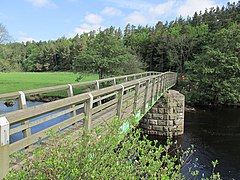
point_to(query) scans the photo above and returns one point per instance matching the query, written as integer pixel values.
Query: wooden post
(88, 112)
(22, 104)
(152, 91)
(70, 94)
(114, 81)
(120, 102)
(4, 147)
(158, 84)
(97, 87)
(164, 83)
(146, 96)
(134, 76)
(136, 94)
(126, 78)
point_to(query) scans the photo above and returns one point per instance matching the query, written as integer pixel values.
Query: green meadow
(18, 81)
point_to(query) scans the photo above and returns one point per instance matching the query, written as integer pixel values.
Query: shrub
(103, 154)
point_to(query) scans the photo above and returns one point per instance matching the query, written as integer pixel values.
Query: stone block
(154, 110)
(169, 123)
(153, 122)
(161, 110)
(159, 105)
(178, 122)
(165, 117)
(180, 127)
(157, 116)
(162, 122)
(165, 129)
(173, 104)
(180, 110)
(171, 128)
(157, 128)
(180, 104)
(167, 110)
(172, 117)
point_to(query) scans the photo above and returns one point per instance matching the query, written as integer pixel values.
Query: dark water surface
(215, 135)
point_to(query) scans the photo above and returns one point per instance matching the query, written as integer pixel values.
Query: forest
(205, 48)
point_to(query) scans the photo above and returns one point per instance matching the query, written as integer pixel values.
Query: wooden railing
(69, 88)
(88, 110)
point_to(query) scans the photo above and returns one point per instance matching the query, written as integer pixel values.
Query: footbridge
(121, 96)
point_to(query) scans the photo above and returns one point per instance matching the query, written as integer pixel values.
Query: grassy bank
(17, 81)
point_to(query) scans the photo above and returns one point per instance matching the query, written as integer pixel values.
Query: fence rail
(90, 109)
(17, 95)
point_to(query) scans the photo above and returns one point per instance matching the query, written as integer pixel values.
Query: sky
(27, 20)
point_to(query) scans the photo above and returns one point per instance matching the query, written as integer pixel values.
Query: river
(215, 134)
(17, 136)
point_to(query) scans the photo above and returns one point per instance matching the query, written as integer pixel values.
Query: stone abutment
(166, 117)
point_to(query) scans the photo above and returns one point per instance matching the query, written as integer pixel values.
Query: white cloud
(85, 28)
(91, 22)
(136, 18)
(93, 19)
(23, 37)
(163, 8)
(43, 3)
(189, 7)
(111, 11)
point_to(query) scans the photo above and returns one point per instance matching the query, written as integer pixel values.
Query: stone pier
(166, 117)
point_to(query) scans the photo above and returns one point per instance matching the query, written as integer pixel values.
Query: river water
(17, 136)
(215, 134)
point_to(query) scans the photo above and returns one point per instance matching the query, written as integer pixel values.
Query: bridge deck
(87, 110)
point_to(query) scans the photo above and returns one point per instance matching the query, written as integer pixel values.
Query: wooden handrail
(142, 92)
(14, 95)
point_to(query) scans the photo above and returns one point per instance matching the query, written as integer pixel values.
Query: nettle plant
(105, 153)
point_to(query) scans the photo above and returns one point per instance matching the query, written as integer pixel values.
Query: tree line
(205, 47)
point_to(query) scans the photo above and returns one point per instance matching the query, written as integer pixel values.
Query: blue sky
(51, 19)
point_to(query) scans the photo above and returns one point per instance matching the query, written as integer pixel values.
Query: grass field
(17, 81)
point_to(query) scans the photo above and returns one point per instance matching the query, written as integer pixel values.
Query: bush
(103, 154)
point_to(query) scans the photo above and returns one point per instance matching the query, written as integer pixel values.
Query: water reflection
(215, 134)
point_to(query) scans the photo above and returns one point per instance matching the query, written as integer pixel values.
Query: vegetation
(205, 48)
(18, 81)
(107, 55)
(101, 155)
(4, 36)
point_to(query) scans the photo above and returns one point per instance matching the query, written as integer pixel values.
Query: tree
(214, 73)
(106, 55)
(4, 36)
